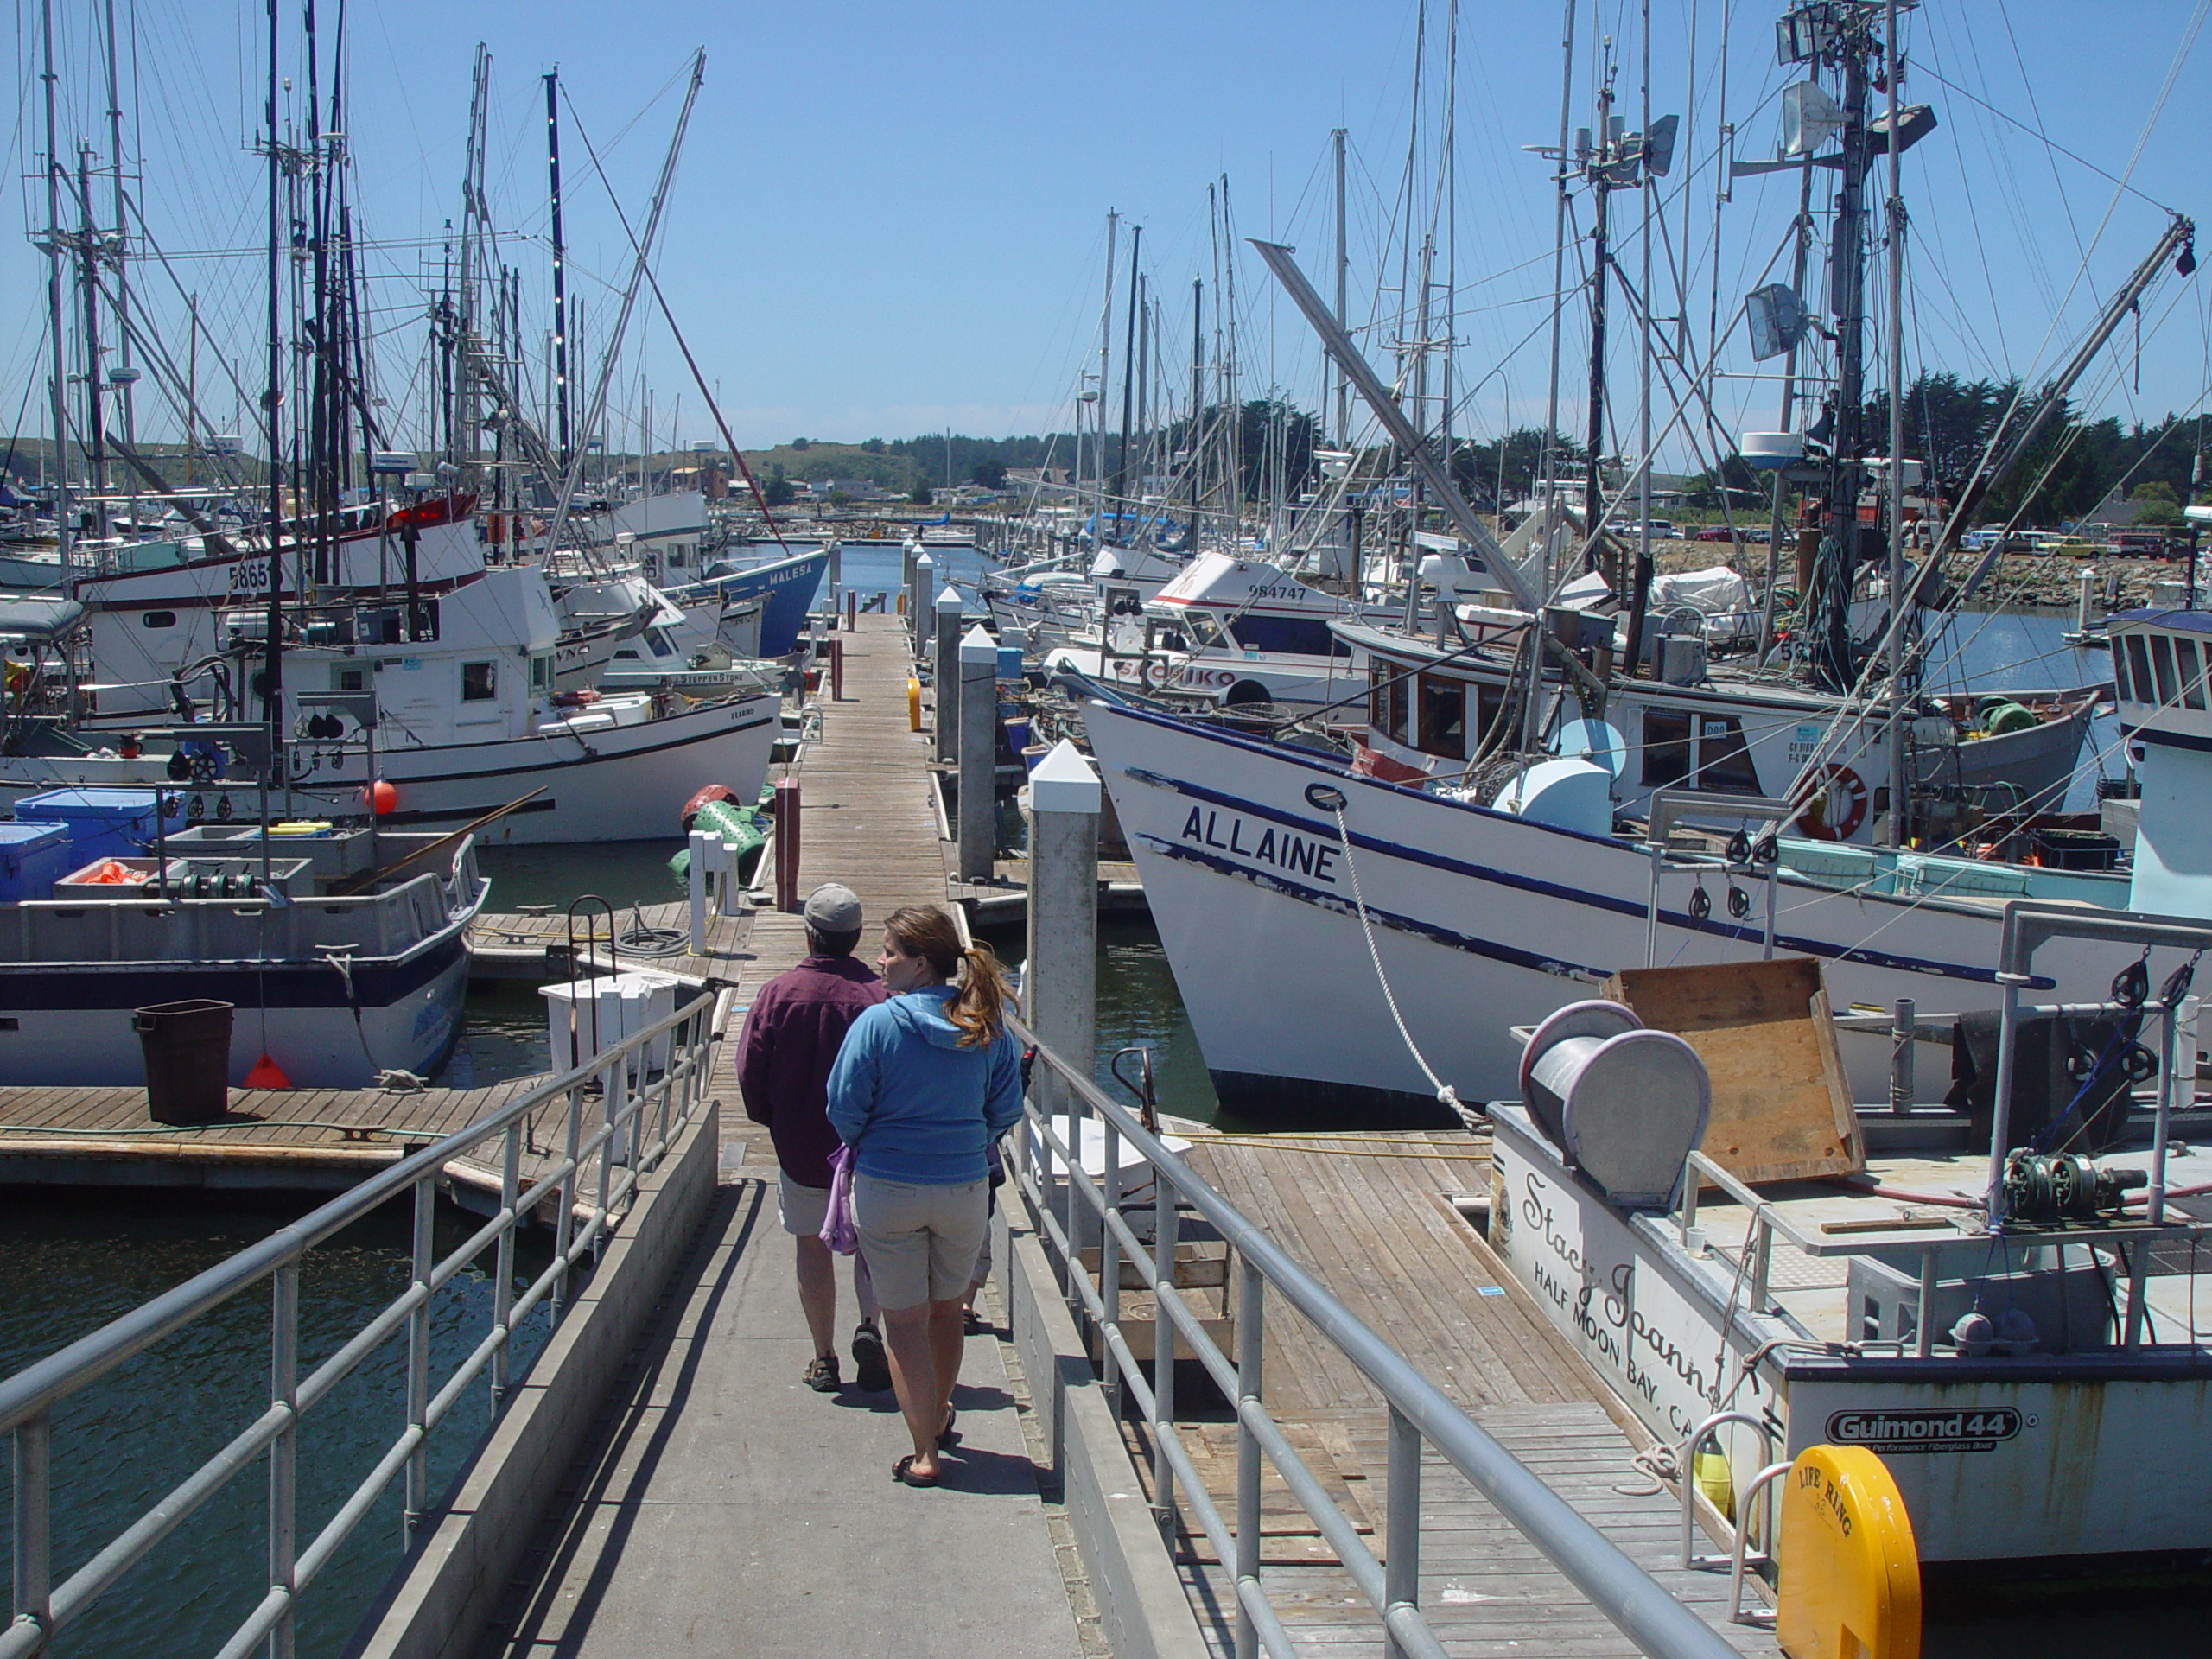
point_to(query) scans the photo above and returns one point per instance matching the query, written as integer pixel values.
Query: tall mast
(1129, 378)
(1899, 799)
(1548, 460)
(561, 398)
(273, 401)
(56, 326)
(1592, 493)
(88, 282)
(1831, 632)
(1197, 441)
(323, 420)
(1229, 366)
(125, 374)
(1105, 350)
(1802, 235)
(1640, 593)
(1344, 268)
(1144, 382)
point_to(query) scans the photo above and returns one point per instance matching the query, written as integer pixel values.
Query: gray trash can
(188, 1049)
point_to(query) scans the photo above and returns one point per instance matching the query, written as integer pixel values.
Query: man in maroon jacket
(792, 1037)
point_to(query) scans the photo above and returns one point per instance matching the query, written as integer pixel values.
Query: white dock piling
(919, 587)
(950, 612)
(1060, 984)
(978, 693)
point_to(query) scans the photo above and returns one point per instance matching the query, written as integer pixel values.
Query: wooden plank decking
(1371, 1215)
(865, 819)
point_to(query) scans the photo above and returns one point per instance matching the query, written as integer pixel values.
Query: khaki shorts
(802, 1209)
(921, 1243)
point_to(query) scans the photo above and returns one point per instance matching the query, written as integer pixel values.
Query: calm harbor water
(68, 1260)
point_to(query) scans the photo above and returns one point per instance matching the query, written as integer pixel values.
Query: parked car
(1713, 533)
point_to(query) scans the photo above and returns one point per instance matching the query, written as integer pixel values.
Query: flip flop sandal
(949, 1435)
(903, 1473)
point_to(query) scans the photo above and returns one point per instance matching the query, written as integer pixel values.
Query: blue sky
(889, 219)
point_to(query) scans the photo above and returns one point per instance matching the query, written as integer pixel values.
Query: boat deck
(1919, 1207)
(1372, 1214)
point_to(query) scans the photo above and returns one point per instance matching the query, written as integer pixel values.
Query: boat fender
(711, 792)
(1835, 806)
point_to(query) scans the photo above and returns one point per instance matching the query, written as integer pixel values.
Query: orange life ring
(1835, 779)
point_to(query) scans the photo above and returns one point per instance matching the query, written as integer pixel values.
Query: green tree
(991, 474)
(802, 443)
(778, 491)
(1475, 467)
(920, 496)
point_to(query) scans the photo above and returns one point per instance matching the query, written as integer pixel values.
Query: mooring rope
(1445, 1092)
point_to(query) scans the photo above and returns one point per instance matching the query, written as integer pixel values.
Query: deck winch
(2064, 1186)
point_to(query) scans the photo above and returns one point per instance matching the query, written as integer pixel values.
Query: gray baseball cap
(833, 908)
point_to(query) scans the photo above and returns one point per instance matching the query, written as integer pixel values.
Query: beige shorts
(921, 1243)
(802, 1209)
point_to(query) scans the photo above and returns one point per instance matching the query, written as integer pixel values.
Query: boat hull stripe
(1681, 919)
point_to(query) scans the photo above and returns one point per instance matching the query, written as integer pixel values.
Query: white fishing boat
(2010, 1302)
(348, 958)
(467, 718)
(1227, 630)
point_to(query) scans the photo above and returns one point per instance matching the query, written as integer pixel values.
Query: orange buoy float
(267, 1074)
(381, 798)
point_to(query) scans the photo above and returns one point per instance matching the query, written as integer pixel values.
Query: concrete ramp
(723, 1508)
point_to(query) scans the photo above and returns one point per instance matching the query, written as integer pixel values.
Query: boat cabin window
(1203, 629)
(1305, 636)
(661, 643)
(1385, 699)
(1665, 748)
(1719, 759)
(1490, 705)
(158, 620)
(1443, 717)
(2137, 669)
(478, 682)
(2162, 665)
(1724, 762)
(349, 679)
(2192, 679)
(541, 673)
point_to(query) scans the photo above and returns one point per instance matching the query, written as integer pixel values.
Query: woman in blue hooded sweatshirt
(924, 1083)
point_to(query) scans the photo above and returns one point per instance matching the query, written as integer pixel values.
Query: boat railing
(618, 1127)
(1756, 859)
(1420, 1413)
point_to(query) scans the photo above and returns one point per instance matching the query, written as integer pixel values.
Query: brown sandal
(903, 1473)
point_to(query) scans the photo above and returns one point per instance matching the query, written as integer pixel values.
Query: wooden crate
(1781, 1109)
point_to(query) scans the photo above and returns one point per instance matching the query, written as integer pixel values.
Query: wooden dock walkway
(534, 944)
(867, 819)
(1371, 1214)
(303, 1139)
